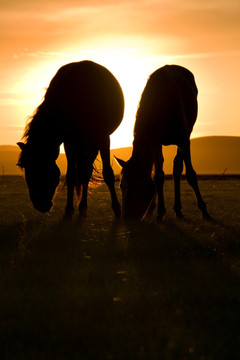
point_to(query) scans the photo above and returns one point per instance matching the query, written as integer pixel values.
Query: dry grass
(106, 290)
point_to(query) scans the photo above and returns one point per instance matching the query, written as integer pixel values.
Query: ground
(102, 289)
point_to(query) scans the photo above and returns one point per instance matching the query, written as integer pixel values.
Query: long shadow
(186, 291)
(125, 292)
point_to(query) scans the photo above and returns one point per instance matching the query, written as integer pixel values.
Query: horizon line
(124, 147)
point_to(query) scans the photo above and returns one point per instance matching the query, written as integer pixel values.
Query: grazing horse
(82, 106)
(166, 114)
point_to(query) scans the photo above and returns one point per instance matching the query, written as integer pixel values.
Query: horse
(166, 115)
(82, 106)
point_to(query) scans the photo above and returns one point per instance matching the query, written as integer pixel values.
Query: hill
(8, 160)
(210, 155)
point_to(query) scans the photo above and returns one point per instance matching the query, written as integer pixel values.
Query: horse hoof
(82, 214)
(117, 211)
(67, 217)
(118, 215)
(160, 218)
(207, 217)
(179, 215)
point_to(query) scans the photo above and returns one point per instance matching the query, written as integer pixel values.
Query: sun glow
(131, 67)
(127, 66)
(37, 39)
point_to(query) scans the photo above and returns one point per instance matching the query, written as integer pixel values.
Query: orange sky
(130, 38)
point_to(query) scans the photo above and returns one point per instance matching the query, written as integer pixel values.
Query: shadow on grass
(131, 291)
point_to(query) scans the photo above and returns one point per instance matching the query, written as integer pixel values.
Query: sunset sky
(132, 38)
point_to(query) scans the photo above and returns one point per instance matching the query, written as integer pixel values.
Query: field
(102, 289)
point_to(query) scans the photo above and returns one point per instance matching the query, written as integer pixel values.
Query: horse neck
(44, 137)
(143, 149)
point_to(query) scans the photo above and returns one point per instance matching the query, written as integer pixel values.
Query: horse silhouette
(166, 114)
(82, 106)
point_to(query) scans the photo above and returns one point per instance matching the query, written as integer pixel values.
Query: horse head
(138, 189)
(41, 174)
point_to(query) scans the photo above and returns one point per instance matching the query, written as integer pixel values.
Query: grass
(102, 289)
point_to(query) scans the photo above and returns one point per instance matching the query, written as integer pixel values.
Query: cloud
(10, 99)
(11, 128)
(55, 5)
(54, 29)
(51, 25)
(219, 54)
(38, 54)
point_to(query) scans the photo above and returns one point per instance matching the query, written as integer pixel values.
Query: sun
(130, 71)
(126, 65)
(132, 75)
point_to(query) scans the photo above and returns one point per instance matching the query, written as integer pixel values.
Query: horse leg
(159, 181)
(177, 172)
(108, 176)
(70, 179)
(192, 179)
(84, 169)
(83, 203)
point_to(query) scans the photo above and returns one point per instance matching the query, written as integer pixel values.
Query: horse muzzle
(43, 208)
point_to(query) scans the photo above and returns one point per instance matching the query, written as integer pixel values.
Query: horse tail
(93, 178)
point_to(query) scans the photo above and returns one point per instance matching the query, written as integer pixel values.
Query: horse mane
(40, 127)
(34, 126)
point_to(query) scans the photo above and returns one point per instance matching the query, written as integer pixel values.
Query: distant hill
(216, 154)
(8, 160)
(210, 155)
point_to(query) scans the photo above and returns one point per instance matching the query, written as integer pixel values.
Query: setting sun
(125, 65)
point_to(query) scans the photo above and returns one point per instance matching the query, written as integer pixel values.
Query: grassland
(102, 289)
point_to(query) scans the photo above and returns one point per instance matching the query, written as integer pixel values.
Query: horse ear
(122, 163)
(21, 145)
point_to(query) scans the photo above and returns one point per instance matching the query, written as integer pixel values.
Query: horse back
(87, 99)
(168, 106)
